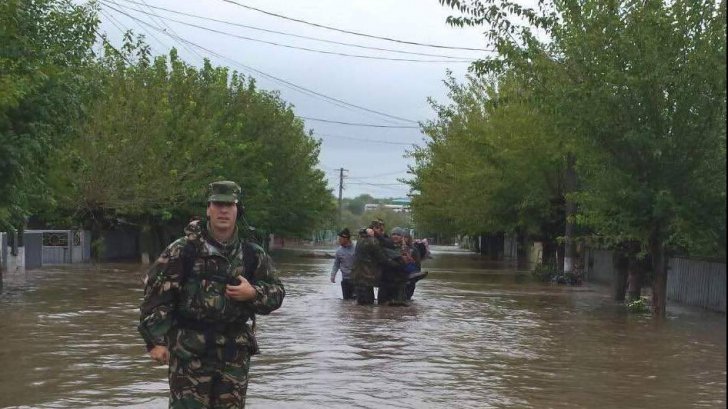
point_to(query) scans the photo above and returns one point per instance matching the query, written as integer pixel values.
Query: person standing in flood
(394, 279)
(200, 301)
(369, 260)
(415, 274)
(344, 260)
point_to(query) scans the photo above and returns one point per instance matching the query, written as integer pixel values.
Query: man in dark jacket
(369, 260)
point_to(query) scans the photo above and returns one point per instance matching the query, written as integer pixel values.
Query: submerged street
(477, 335)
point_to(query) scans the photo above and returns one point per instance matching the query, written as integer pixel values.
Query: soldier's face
(222, 215)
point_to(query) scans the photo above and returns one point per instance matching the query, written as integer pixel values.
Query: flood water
(478, 335)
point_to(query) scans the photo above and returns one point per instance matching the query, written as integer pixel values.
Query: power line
(377, 184)
(116, 23)
(363, 139)
(368, 57)
(288, 84)
(108, 44)
(381, 175)
(357, 123)
(296, 35)
(353, 32)
(168, 27)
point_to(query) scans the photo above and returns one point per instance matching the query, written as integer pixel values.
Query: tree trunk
(570, 214)
(97, 241)
(634, 279)
(659, 286)
(621, 268)
(146, 243)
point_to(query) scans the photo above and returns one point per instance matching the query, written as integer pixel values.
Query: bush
(544, 272)
(639, 306)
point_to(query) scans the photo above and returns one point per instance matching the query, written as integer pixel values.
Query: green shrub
(639, 306)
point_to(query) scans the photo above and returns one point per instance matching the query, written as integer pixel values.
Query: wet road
(478, 335)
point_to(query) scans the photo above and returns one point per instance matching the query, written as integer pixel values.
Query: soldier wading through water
(200, 301)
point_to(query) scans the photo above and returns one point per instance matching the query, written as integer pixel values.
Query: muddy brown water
(478, 335)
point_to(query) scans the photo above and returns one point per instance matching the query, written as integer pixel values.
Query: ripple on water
(475, 337)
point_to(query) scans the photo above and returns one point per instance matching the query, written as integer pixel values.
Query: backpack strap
(250, 262)
(187, 256)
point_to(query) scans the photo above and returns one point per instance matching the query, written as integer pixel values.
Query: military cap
(376, 223)
(345, 233)
(223, 191)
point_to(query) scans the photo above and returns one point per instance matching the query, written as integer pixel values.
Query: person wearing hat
(370, 259)
(343, 260)
(201, 297)
(394, 279)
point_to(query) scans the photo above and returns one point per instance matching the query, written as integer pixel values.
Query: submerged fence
(690, 282)
(698, 283)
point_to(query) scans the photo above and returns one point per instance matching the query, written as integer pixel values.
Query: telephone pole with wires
(341, 190)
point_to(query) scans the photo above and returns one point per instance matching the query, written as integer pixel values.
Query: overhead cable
(296, 35)
(362, 139)
(368, 57)
(357, 123)
(116, 23)
(288, 84)
(353, 32)
(167, 26)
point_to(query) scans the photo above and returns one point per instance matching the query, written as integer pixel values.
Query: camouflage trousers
(208, 382)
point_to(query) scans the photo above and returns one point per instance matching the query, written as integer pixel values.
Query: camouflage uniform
(369, 259)
(394, 278)
(207, 333)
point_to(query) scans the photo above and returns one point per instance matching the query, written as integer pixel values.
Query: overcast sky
(372, 156)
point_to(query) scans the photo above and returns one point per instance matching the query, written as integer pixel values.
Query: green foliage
(493, 163)
(356, 205)
(391, 219)
(636, 90)
(639, 306)
(159, 130)
(45, 47)
(544, 272)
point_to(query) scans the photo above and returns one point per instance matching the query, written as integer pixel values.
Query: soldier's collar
(227, 246)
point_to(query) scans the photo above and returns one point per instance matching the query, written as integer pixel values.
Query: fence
(47, 247)
(4, 251)
(698, 283)
(690, 282)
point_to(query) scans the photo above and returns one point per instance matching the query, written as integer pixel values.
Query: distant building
(397, 208)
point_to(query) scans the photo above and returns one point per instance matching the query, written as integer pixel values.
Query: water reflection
(478, 335)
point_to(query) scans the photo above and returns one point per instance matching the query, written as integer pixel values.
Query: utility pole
(341, 189)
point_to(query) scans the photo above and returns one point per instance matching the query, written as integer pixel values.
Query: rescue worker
(201, 298)
(369, 259)
(394, 279)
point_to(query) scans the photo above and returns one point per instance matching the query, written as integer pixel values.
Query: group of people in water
(390, 262)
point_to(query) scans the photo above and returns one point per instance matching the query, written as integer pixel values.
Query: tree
(641, 84)
(493, 164)
(45, 47)
(160, 130)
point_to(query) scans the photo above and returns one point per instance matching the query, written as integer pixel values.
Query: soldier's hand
(160, 353)
(241, 292)
(333, 279)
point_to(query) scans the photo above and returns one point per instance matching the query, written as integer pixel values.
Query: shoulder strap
(250, 261)
(187, 256)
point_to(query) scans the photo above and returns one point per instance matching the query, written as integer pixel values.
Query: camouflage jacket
(175, 295)
(369, 260)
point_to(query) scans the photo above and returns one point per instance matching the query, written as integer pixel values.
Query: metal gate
(48, 247)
